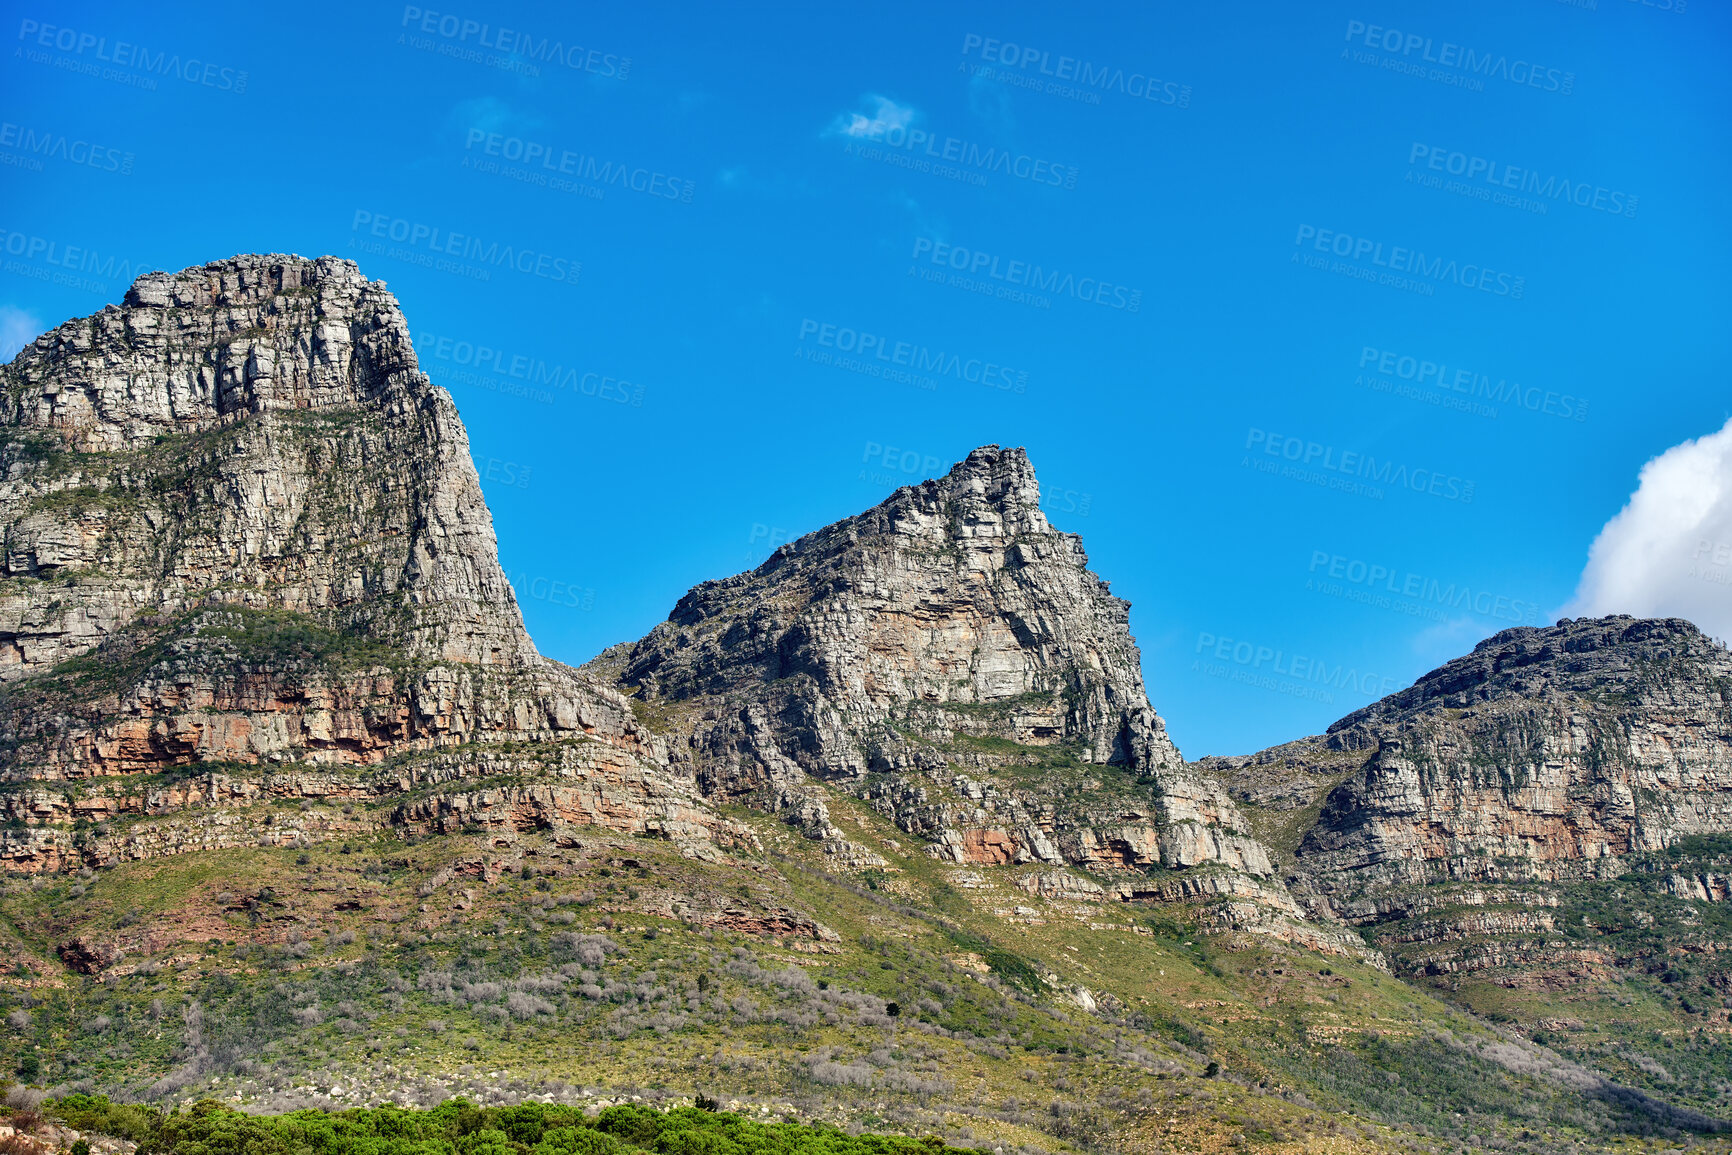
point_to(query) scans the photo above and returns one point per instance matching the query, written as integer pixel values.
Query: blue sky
(1295, 307)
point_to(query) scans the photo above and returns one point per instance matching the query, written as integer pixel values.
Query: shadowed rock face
(244, 542)
(954, 593)
(243, 529)
(1474, 820)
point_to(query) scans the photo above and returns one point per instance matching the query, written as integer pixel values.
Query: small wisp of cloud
(886, 115)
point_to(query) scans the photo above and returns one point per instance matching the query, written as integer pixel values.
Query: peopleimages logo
(564, 162)
(1410, 262)
(1311, 673)
(124, 54)
(1371, 581)
(429, 241)
(485, 362)
(1352, 468)
(73, 266)
(37, 144)
(1025, 274)
(1414, 50)
(1437, 375)
(1507, 180)
(1066, 71)
(955, 150)
(1711, 561)
(905, 361)
(460, 32)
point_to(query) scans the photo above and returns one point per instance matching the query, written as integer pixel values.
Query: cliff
(243, 534)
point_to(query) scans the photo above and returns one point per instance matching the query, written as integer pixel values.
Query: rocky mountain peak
(236, 498)
(259, 426)
(949, 657)
(1552, 754)
(188, 350)
(954, 591)
(1587, 655)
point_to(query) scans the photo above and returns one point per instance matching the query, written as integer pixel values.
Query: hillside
(883, 835)
(1542, 831)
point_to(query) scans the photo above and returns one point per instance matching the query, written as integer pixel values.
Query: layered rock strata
(1546, 754)
(242, 529)
(1454, 818)
(949, 658)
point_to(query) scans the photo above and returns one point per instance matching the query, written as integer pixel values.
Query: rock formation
(949, 657)
(248, 560)
(1462, 808)
(1546, 754)
(242, 529)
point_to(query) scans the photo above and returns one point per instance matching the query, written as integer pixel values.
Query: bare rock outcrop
(949, 658)
(1461, 819)
(1546, 754)
(242, 529)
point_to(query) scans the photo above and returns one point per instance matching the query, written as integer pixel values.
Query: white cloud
(1668, 552)
(886, 115)
(17, 329)
(491, 114)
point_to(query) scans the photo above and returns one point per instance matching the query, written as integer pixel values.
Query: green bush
(96, 1113)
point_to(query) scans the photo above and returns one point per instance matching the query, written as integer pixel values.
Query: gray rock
(242, 527)
(1545, 754)
(948, 657)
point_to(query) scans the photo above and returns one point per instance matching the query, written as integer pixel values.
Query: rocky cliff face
(1545, 754)
(1481, 820)
(949, 657)
(257, 426)
(242, 529)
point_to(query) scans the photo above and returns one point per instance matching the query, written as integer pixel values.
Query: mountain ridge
(890, 815)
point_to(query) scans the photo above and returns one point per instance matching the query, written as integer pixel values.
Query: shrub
(576, 1141)
(96, 1113)
(527, 1006)
(631, 1122)
(833, 1074)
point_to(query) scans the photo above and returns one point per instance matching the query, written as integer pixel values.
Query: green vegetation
(97, 1113)
(411, 972)
(283, 638)
(458, 1127)
(228, 638)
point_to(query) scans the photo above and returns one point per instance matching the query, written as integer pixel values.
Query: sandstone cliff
(1547, 753)
(242, 529)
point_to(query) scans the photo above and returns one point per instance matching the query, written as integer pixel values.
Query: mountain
(949, 658)
(884, 833)
(1542, 828)
(243, 533)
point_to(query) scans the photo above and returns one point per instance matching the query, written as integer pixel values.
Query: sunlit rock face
(243, 530)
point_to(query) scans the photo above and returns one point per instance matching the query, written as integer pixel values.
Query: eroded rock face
(1478, 821)
(949, 657)
(256, 425)
(243, 529)
(1546, 754)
